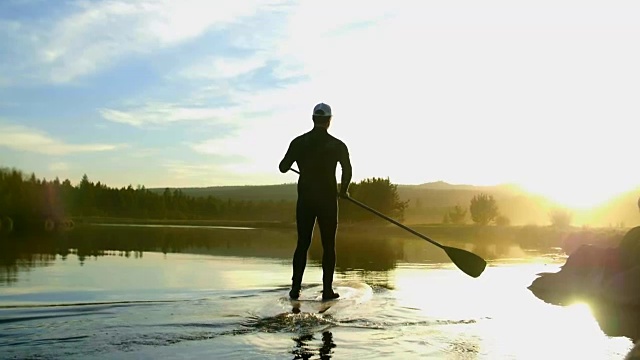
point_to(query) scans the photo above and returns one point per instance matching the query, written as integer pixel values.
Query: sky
(197, 93)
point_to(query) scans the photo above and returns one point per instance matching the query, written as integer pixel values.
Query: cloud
(230, 99)
(217, 67)
(166, 113)
(407, 63)
(21, 138)
(94, 35)
(478, 86)
(236, 95)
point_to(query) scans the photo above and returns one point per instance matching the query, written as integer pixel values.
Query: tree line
(28, 201)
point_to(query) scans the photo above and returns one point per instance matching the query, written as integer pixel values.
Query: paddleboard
(310, 301)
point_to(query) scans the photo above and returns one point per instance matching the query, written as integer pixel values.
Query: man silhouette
(317, 154)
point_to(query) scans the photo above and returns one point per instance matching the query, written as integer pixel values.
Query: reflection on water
(613, 319)
(137, 292)
(304, 351)
(358, 250)
(617, 320)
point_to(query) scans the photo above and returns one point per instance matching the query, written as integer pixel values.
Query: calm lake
(146, 292)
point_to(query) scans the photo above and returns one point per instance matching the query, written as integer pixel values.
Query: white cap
(322, 109)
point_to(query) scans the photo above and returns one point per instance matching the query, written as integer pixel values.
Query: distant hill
(429, 202)
(248, 192)
(442, 185)
(288, 191)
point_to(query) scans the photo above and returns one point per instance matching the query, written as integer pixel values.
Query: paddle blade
(470, 263)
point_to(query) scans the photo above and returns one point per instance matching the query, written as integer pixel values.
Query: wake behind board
(310, 301)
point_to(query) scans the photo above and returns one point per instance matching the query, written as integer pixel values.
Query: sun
(576, 195)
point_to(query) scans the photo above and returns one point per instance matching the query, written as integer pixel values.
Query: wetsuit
(317, 154)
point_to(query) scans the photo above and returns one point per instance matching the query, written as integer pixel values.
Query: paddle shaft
(470, 263)
(388, 218)
(394, 221)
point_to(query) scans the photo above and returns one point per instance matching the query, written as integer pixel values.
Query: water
(154, 292)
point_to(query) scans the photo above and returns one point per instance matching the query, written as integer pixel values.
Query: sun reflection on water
(501, 317)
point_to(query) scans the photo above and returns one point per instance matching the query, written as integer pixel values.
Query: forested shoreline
(28, 202)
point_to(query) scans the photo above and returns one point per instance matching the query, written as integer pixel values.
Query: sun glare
(575, 195)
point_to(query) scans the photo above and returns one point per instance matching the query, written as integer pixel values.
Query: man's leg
(328, 222)
(305, 220)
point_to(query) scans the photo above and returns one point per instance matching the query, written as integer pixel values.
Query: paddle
(470, 263)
